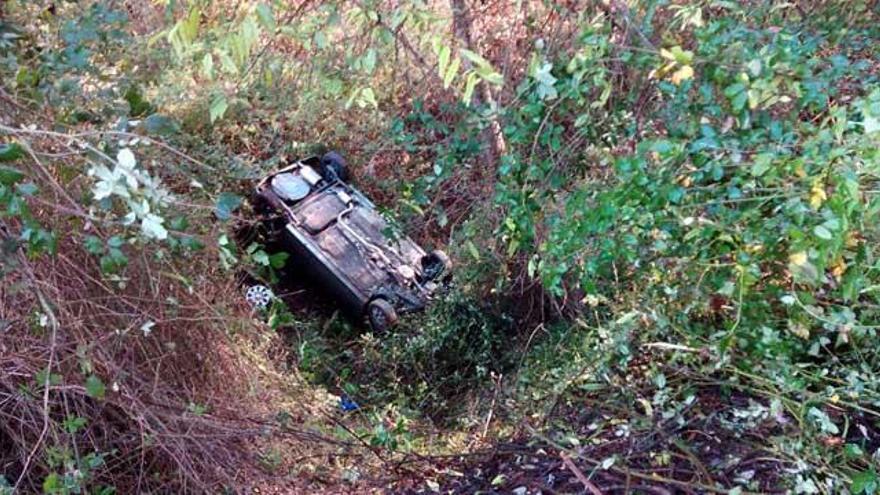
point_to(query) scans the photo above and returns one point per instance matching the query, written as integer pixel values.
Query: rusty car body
(345, 245)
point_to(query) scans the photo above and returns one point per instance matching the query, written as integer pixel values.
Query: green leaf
(853, 451)
(160, 125)
(43, 376)
(9, 175)
(368, 62)
(261, 258)
(443, 60)
(451, 72)
(662, 146)
(26, 189)
(475, 58)
(73, 424)
(608, 462)
(754, 67)
(266, 17)
(472, 250)
(115, 241)
(368, 97)
(762, 164)
(208, 66)
(191, 243)
(734, 89)
(95, 387)
(675, 194)
(865, 482)
(320, 40)
(823, 421)
(546, 82)
(469, 86)
(94, 245)
(739, 101)
(871, 124)
(190, 25)
(822, 233)
(226, 204)
(137, 105)
(682, 57)
(226, 62)
(249, 32)
(152, 227)
(113, 261)
(532, 267)
(493, 78)
(871, 112)
(51, 484)
(278, 260)
(10, 152)
(180, 223)
(218, 108)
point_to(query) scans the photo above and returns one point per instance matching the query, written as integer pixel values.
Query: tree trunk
(493, 139)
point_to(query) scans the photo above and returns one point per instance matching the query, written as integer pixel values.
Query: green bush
(427, 366)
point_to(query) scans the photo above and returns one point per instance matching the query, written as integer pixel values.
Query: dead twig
(579, 475)
(52, 322)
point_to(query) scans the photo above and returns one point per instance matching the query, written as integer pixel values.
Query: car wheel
(381, 314)
(333, 166)
(261, 205)
(435, 264)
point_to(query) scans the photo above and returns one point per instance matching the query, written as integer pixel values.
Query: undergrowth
(663, 217)
(426, 367)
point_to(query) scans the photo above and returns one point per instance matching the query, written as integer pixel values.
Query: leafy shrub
(426, 366)
(689, 178)
(734, 213)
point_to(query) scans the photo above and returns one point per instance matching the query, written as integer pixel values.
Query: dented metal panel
(351, 259)
(318, 214)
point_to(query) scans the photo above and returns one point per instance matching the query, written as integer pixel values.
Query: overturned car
(339, 239)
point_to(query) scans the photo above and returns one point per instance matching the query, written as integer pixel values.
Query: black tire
(333, 167)
(435, 264)
(270, 222)
(261, 205)
(381, 314)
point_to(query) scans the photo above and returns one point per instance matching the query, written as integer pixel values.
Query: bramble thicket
(663, 215)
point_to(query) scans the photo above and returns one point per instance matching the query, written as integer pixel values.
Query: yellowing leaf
(799, 258)
(754, 98)
(799, 329)
(682, 74)
(817, 195)
(662, 71)
(686, 181)
(676, 54)
(852, 239)
(838, 268)
(754, 248)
